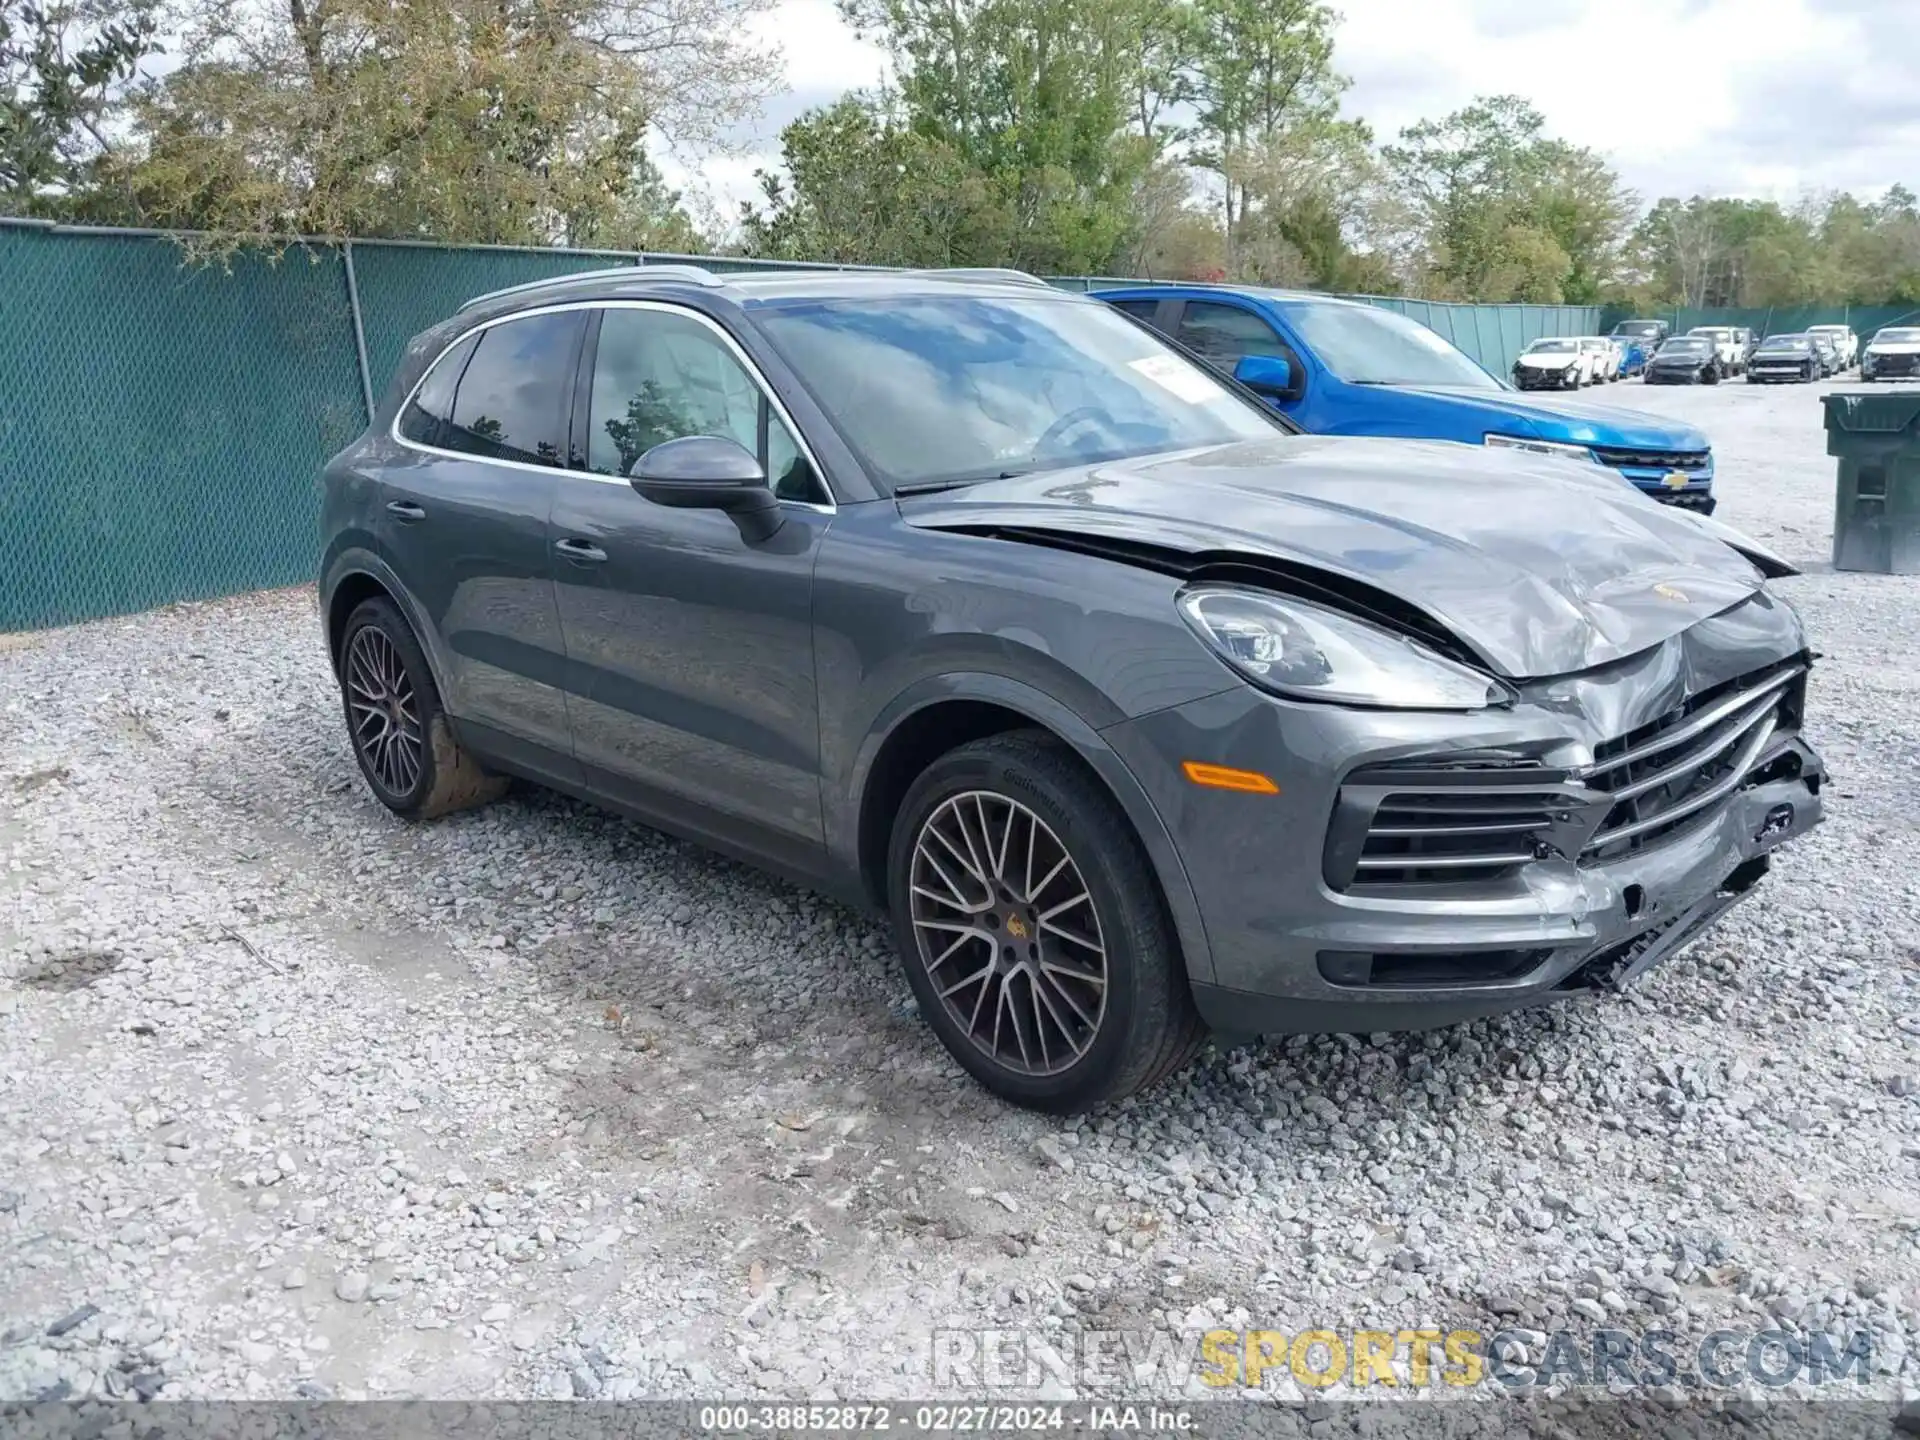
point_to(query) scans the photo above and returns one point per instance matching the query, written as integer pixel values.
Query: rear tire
(1051, 1002)
(401, 736)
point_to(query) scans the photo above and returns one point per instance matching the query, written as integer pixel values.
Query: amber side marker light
(1225, 777)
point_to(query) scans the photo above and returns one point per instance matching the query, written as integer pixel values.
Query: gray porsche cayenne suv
(1140, 714)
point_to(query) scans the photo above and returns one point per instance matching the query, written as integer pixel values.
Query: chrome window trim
(745, 360)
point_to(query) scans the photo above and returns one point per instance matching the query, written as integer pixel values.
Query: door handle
(406, 510)
(580, 551)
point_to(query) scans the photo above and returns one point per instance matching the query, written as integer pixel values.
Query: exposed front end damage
(1406, 867)
(1427, 868)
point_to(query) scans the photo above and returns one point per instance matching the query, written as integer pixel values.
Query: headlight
(1311, 653)
(1539, 447)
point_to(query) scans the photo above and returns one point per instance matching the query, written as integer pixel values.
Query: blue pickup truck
(1340, 367)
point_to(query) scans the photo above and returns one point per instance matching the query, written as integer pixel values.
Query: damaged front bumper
(1421, 869)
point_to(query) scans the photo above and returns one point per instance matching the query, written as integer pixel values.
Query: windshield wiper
(934, 487)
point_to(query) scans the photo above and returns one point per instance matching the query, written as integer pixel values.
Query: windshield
(937, 389)
(1898, 337)
(1368, 346)
(1784, 342)
(1712, 334)
(1685, 345)
(1551, 347)
(1637, 327)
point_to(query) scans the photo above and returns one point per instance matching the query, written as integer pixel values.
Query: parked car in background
(1136, 711)
(1646, 333)
(1726, 344)
(1748, 344)
(1687, 360)
(1604, 359)
(1553, 362)
(1784, 357)
(1829, 352)
(1340, 367)
(1893, 353)
(1846, 344)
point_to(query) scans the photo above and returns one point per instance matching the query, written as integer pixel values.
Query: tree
(1171, 238)
(862, 188)
(1034, 97)
(1261, 71)
(519, 121)
(1506, 212)
(1579, 204)
(1312, 201)
(60, 65)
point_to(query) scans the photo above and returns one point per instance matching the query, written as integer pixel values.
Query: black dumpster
(1876, 513)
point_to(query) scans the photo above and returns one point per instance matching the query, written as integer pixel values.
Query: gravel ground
(298, 1100)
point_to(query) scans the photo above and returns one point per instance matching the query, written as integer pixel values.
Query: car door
(465, 528)
(690, 668)
(1224, 334)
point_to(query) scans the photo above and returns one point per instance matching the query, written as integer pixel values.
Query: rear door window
(1224, 334)
(1139, 309)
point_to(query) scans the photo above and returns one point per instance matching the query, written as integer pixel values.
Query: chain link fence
(164, 423)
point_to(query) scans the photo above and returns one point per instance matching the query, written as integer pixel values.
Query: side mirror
(1267, 374)
(709, 472)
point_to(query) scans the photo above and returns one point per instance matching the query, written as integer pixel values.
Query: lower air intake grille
(1450, 823)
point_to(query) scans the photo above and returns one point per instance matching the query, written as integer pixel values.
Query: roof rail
(693, 274)
(1002, 274)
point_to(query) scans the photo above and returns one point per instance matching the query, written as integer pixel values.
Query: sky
(1770, 98)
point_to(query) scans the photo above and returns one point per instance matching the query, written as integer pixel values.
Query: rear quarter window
(500, 394)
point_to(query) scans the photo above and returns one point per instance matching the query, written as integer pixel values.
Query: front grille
(1653, 459)
(1477, 819)
(1895, 364)
(1672, 772)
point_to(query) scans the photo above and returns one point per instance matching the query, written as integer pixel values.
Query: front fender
(842, 818)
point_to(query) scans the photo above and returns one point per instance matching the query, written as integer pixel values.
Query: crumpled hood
(1571, 421)
(1542, 566)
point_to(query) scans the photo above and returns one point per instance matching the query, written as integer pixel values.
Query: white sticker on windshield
(1174, 374)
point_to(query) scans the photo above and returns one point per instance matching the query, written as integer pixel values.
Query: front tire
(1032, 928)
(401, 736)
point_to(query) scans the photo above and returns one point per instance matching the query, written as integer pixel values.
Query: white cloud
(1759, 97)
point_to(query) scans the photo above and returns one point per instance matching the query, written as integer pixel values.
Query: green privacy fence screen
(162, 425)
(1764, 320)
